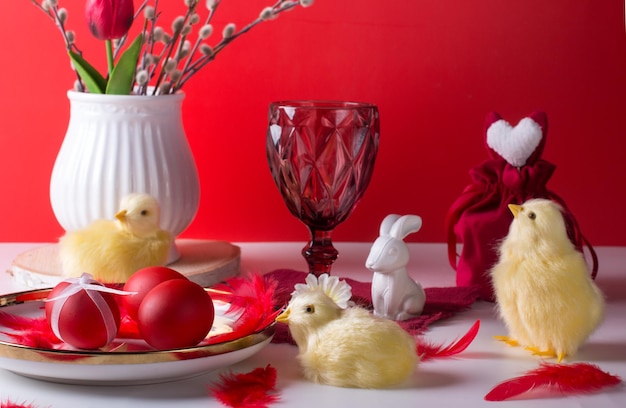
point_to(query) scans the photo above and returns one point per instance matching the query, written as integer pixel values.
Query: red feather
(9, 404)
(31, 332)
(428, 351)
(256, 389)
(249, 291)
(252, 294)
(562, 378)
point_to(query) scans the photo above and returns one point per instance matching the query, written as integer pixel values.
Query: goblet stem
(320, 252)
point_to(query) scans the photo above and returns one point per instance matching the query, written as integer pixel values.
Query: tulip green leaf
(93, 80)
(123, 74)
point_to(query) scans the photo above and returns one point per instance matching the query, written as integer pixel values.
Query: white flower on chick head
(339, 291)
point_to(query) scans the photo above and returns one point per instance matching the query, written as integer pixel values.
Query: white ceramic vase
(120, 144)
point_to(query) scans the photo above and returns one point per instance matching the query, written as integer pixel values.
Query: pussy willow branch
(53, 14)
(170, 47)
(277, 8)
(149, 49)
(197, 43)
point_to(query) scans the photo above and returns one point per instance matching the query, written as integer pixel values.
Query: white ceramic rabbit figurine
(394, 294)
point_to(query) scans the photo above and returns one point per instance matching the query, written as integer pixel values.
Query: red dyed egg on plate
(142, 282)
(175, 314)
(81, 315)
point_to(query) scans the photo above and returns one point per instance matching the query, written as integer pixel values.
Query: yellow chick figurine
(112, 250)
(543, 289)
(346, 346)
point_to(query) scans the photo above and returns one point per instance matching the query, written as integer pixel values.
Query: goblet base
(319, 253)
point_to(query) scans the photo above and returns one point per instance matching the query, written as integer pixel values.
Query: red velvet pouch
(514, 173)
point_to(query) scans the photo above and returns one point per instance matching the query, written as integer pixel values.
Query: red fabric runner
(441, 303)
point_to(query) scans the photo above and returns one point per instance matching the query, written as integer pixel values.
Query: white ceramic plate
(130, 362)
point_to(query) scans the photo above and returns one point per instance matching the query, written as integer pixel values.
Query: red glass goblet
(321, 155)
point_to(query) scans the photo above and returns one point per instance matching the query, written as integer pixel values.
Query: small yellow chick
(112, 250)
(543, 289)
(346, 347)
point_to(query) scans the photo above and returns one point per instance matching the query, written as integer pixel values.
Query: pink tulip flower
(109, 19)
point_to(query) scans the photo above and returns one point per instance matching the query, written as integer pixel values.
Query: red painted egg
(175, 314)
(142, 282)
(82, 317)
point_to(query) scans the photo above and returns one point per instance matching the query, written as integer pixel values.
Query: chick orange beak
(515, 209)
(284, 316)
(121, 216)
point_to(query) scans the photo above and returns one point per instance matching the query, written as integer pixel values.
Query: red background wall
(434, 67)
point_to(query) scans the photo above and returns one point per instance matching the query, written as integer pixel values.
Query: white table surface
(461, 382)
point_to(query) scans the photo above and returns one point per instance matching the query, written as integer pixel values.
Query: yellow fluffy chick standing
(346, 346)
(111, 250)
(545, 295)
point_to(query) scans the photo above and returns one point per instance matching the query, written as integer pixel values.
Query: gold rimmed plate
(127, 361)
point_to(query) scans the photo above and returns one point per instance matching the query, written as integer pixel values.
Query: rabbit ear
(388, 221)
(406, 225)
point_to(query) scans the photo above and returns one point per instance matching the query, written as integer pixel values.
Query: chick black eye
(144, 212)
(532, 215)
(310, 309)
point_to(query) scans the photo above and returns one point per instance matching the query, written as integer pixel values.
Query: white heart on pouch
(514, 144)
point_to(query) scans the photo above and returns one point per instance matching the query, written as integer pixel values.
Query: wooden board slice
(202, 261)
